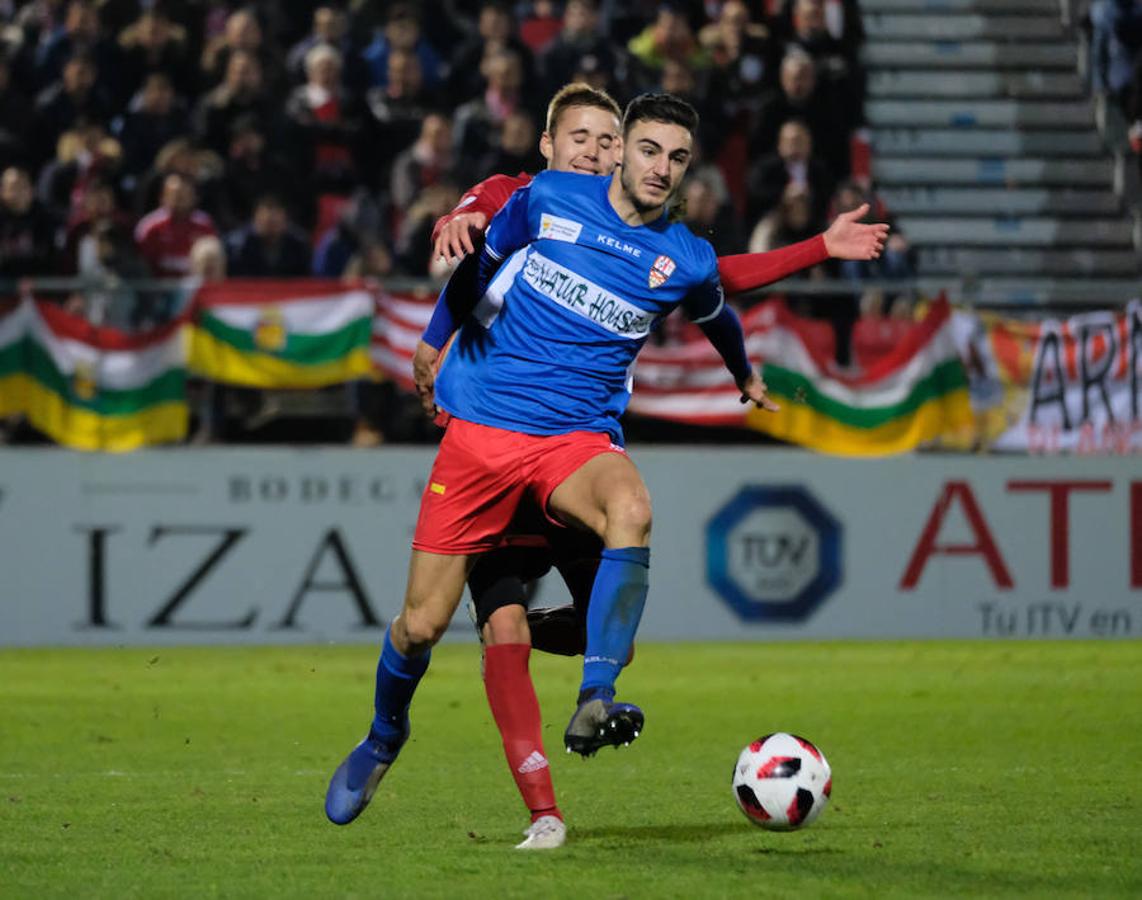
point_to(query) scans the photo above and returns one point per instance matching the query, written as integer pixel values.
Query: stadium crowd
(164, 138)
(326, 138)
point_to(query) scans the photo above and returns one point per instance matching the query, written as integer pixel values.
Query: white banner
(282, 545)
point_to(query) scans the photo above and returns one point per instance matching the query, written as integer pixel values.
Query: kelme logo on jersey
(662, 269)
(556, 228)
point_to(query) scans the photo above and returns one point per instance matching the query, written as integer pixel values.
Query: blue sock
(397, 678)
(616, 606)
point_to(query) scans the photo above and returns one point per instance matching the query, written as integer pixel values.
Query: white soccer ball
(782, 782)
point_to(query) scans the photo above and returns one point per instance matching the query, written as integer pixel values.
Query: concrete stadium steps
(970, 55)
(1032, 172)
(954, 83)
(901, 26)
(1001, 202)
(948, 7)
(963, 262)
(1022, 114)
(1017, 232)
(952, 142)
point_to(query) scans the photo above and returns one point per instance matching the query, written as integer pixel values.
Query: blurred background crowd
(159, 138)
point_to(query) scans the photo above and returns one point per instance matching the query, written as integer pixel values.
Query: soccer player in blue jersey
(575, 272)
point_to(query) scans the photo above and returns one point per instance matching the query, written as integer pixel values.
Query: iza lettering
(174, 613)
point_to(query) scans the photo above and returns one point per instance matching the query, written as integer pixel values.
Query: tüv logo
(773, 554)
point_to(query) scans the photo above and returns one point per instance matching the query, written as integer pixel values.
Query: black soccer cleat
(600, 723)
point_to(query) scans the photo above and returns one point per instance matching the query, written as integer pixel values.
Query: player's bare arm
(425, 364)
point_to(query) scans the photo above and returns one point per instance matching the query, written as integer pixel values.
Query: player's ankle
(596, 692)
(537, 814)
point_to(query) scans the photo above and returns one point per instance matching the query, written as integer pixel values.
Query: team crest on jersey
(662, 269)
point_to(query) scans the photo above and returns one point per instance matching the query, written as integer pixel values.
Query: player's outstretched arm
(846, 238)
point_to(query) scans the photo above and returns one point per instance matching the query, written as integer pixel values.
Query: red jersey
(740, 273)
(165, 242)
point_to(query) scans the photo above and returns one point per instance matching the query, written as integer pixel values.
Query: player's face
(585, 139)
(655, 158)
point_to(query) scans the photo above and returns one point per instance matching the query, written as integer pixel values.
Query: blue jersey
(551, 345)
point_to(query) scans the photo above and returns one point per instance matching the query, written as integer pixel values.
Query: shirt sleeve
(511, 228)
(706, 300)
(748, 271)
(487, 197)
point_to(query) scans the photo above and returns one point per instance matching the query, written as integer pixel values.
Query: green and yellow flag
(281, 334)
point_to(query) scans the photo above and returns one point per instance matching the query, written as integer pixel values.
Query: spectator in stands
(357, 229)
(203, 167)
(397, 112)
(325, 123)
(517, 149)
(708, 214)
(787, 223)
(744, 56)
(331, 29)
(1116, 36)
(429, 161)
(840, 20)
(152, 45)
(164, 237)
(270, 246)
(207, 264)
(479, 120)
(668, 37)
(794, 162)
(242, 36)
(78, 35)
(153, 119)
(838, 73)
(241, 93)
(15, 114)
(74, 96)
(27, 231)
(579, 38)
(84, 155)
(402, 33)
(251, 170)
(540, 25)
(95, 224)
(797, 97)
(495, 34)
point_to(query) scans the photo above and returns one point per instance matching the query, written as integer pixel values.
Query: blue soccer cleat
(355, 781)
(600, 722)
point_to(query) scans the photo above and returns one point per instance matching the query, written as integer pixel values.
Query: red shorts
(482, 475)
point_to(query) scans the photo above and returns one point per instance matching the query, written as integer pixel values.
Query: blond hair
(579, 93)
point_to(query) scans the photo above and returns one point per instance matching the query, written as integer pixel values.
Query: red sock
(515, 708)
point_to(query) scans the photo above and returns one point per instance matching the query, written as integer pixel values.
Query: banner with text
(281, 545)
(1056, 385)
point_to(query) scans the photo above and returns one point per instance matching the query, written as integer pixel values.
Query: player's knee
(423, 627)
(630, 516)
(507, 625)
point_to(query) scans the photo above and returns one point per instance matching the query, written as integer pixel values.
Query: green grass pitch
(984, 769)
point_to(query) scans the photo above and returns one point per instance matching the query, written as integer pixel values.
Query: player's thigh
(605, 493)
(435, 585)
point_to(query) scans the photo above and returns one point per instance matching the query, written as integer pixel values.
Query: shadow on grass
(682, 833)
